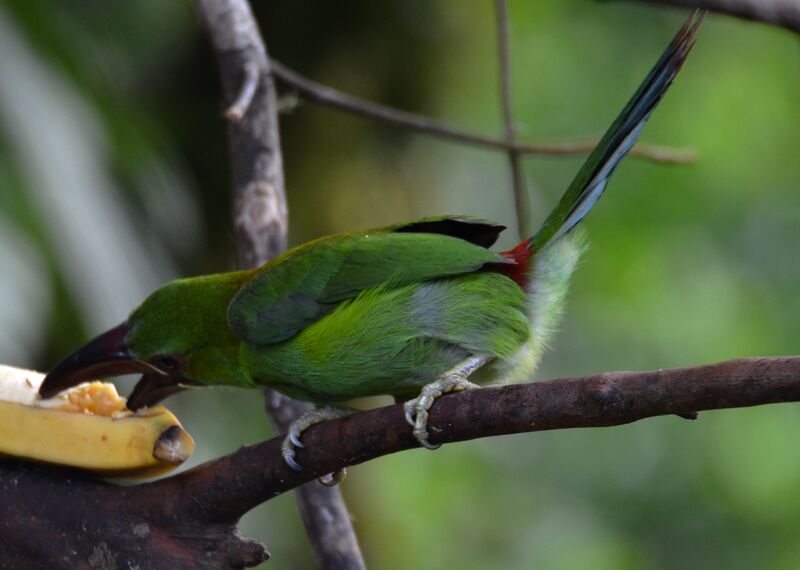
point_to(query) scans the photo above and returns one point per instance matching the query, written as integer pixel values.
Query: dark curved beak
(106, 355)
(153, 388)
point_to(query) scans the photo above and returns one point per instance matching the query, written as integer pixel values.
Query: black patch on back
(479, 232)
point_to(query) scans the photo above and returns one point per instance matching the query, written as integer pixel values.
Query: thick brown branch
(54, 518)
(234, 484)
(188, 521)
(260, 220)
(317, 93)
(781, 13)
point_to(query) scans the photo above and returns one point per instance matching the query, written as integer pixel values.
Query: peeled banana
(87, 427)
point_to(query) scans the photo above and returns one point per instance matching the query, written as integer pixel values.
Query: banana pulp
(87, 427)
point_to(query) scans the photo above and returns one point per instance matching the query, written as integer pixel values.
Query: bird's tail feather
(544, 262)
(591, 180)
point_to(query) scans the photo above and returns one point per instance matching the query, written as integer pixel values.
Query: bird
(414, 310)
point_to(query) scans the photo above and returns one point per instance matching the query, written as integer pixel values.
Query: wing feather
(305, 284)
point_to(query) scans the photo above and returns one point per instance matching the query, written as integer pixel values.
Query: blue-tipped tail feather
(591, 180)
(545, 263)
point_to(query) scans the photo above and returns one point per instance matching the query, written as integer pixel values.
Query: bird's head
(178, 338)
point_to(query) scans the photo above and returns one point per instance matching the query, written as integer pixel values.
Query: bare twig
(260, 220)
(781, 13)
(251, 76)
(515, 164)
(324, 95)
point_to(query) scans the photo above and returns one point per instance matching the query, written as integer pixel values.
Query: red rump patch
(521, 255)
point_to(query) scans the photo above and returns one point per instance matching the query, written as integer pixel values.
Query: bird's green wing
(306, 283)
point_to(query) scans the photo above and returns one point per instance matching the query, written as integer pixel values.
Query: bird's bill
(106, 355)
(153, 388)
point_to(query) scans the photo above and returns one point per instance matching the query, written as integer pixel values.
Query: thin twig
(252, 75)
(782, 13)
(514, 155)
(258, 473)
(317, 93)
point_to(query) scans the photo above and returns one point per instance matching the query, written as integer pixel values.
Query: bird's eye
(168, 364)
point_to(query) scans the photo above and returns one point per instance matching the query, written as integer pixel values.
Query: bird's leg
(301, 424)
(454, 380)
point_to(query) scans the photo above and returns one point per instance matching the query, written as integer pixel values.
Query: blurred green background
(114, 179)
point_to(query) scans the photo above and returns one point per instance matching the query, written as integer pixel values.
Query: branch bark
(258, 473)
(260, 222)
(189, 520)
(56, 518)
(781, 13)
(260, 215)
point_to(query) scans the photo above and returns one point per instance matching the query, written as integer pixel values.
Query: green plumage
(300, 287)
(379, 312)
(394, 340)
(357, 314)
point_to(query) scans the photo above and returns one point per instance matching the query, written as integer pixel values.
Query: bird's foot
(292, 440)
(454, 380)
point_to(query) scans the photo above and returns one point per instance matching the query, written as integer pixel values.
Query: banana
(87, 427)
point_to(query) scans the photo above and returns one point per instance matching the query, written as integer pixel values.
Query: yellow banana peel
(87, 427)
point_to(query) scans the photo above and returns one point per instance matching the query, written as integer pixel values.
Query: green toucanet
(411, 310)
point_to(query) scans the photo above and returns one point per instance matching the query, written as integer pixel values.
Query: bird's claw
(409, 409)
(292, 441)
(331, 480)
(427, 444)
(295, 439)
(416, 412)
(289, 459)
(416, 409)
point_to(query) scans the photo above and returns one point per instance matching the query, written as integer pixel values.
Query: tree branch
(258, 473)
(260, 221)
(781, 13)
(322, 509)
(317, 93)
(55, 517)
(260, 216)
